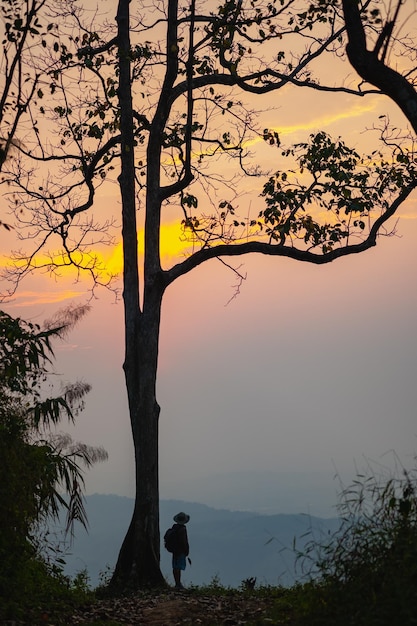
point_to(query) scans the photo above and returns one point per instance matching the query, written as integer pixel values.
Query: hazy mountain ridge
(232, 545)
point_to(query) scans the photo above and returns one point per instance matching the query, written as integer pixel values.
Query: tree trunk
(138, 562)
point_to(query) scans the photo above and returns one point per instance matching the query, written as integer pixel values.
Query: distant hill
(232, 545)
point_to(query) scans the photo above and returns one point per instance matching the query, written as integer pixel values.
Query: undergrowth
(32, 591)
(365, 574)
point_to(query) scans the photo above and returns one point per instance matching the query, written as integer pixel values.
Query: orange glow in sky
(173, 247)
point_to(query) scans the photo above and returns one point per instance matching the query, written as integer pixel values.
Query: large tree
(172, 92)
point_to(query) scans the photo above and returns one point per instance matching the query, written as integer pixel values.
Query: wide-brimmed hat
(181, 518)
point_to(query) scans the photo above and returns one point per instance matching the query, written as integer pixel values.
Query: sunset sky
(308, 372)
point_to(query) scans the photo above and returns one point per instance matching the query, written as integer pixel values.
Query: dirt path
(172, 609)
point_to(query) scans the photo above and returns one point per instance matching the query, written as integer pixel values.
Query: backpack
(170, 539)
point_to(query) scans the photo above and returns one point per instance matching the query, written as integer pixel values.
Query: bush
(38, 468)
(366, 574)
(33, 591)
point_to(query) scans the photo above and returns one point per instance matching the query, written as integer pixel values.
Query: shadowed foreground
(171, 608)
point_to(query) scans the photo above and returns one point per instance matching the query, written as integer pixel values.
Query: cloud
(321, 122)
(108, 259)
(69, 347)
(34, 298)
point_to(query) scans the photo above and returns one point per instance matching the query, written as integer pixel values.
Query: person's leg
(177, 577)
(178, 564)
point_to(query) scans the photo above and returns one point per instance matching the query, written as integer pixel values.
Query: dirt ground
(176, 608)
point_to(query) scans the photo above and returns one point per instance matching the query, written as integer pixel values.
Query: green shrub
(39, 466)
(35, 592)
(366, 574)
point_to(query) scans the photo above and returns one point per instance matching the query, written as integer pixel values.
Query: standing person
(181, 549)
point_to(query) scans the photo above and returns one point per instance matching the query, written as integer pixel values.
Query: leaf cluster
(332, 179)
(38, 466)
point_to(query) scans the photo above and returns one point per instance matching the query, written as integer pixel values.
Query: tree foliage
(191, 118)
(41, 470)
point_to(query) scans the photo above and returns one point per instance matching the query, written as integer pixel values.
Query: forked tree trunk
(138, 562)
